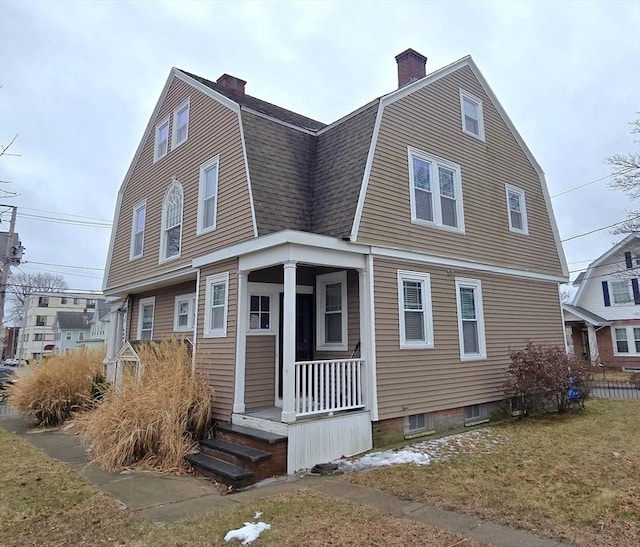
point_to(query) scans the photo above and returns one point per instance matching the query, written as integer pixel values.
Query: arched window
(171, 221)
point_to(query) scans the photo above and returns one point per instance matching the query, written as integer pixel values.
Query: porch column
(241, 343)
(367, 337)
(289, 343)
(593, 344)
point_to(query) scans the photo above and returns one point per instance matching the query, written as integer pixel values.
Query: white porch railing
(323, 387)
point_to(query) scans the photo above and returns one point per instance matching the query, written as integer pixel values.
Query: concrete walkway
(168, 498)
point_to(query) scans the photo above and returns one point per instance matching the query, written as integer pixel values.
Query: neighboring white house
(99, 325)
(38, 326)
(603, 320)
(72, 328)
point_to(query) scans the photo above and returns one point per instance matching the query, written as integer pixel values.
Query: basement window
(416, 424)
(475, 414)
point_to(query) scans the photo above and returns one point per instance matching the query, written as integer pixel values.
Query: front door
(304, 332)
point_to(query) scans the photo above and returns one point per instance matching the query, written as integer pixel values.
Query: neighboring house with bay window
(341, 284)
(603, 320)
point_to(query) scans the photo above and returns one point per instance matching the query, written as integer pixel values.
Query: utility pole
(7, 260)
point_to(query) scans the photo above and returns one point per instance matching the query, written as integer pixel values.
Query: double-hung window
(435, 191)
(137, 231)
(414, 307)
(171, 222)
(208, 196)
(331, 309)
(180, 125)
(146, 308)
(471, 111)
(517, 210)
(470, 319)
(161, 146)
(626, 340)
(621, 292)
(184, 312)
(216, 305)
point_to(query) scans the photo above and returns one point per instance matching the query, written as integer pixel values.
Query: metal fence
(613, 390)
(6, 410)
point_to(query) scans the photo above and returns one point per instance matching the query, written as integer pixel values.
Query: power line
(65, 214)
(622, 172)
(65, 221)
(62, 265)
(599, 229)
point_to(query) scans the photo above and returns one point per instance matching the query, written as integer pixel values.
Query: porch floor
(271, 413)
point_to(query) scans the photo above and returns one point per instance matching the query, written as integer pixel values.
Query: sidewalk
(168, 498)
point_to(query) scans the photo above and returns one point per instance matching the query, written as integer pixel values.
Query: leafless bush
(540, 374)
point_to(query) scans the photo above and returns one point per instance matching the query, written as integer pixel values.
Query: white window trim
(427, 310)
(143, 302)
(191, 300)
(466, 95)
(476, 285)
(435, 190)
(612, 301)
(174, 132)
(203, 168)
(140, 205)
(156, 157)
(631, 342)
(259, 331)
(523, 209)
(163, 233)
(321, 282)
(214, 280)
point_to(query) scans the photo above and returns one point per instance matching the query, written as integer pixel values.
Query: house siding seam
(427, 380)
(213, 130)
(429, 120)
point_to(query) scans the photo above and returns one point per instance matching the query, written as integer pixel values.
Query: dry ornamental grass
(154, 420)
(51, 391)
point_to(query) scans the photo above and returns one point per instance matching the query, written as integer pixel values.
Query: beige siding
(163, 311)
(213, 130)
(415, 381)
(430, 121)
(216, 357)
(260, 371)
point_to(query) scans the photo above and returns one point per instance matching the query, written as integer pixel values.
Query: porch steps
(239, 456)
(225, 472)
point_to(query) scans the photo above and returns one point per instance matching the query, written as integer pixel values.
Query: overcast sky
(80, 81)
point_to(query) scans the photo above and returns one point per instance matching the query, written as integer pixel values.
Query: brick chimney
(231, 83)
(411, 67)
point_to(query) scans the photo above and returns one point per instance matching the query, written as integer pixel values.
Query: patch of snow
(248, 533)
(426, 452)
(257, 515)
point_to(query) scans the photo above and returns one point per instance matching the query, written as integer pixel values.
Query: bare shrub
(52, 391)
(154, 420)
(540, 374)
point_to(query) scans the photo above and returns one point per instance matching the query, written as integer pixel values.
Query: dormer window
(180, 125)
(162, 140)
(471, 110)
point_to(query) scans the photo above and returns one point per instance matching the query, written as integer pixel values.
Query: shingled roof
(73, 320)
(305, 175)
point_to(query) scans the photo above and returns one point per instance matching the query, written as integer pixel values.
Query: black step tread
(219, 467)
(266, 436)
(244, 452)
